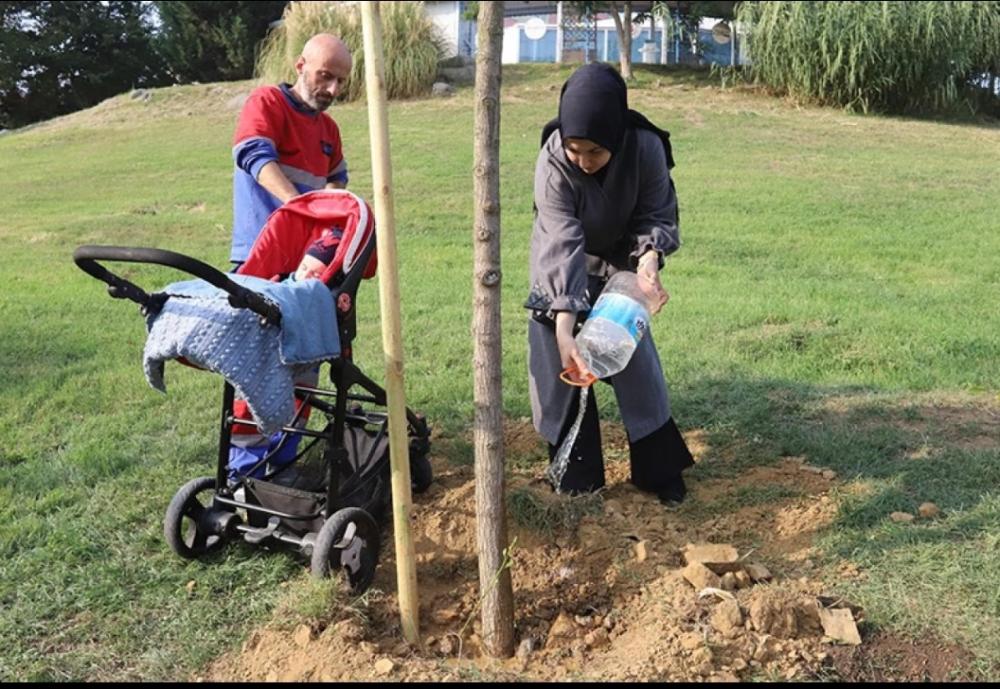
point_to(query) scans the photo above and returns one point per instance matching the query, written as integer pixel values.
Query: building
(550, 32)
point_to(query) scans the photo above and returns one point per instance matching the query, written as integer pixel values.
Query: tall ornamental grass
(878, 56)
(412, 45)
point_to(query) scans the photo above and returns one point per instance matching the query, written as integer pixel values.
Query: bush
(411, 43)
(881, 56)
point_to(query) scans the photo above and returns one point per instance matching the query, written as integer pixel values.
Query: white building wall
(445, 16)
(511, 45)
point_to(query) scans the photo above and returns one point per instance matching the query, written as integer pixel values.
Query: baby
(318, 255)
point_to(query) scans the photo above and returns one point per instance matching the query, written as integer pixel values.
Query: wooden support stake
(392, 342)
(491, 516)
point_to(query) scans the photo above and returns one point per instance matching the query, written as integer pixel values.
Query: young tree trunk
(495, 586)
(624, 30)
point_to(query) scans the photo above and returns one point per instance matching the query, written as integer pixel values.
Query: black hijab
(594, 105)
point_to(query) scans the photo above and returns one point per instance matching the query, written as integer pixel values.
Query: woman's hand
(569, 354)
(649, 281)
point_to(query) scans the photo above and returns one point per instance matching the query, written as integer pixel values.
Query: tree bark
(624, 30)
(496, 591)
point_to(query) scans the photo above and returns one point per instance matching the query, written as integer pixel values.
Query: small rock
(384, 666)
(597, 638)
(739, 664)
(443, 90)
(701, 661)
(727, 618)
(191, 587)
(525, 648)
(838, 624)
(928, 510)
(564, 628)
(758, 573)
(303, 635)
(743, 580)
(700, 576)
(728, 582)
(829, 474)
(691, 641)
(641, 551)
(350, 630)
(710, 554)
(901, 517)
(773, 616)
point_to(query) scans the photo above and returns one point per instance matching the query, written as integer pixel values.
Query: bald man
(285, 144)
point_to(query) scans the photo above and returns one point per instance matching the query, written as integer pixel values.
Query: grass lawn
(835, 297)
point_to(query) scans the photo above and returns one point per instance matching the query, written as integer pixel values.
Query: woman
(604, 202)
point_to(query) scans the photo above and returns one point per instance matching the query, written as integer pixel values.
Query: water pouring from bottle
(613, 330)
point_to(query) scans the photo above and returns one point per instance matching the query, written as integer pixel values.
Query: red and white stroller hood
(290, 230)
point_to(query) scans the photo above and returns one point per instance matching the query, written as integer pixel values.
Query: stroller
(327, 498)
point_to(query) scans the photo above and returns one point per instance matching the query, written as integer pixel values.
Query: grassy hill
(835, 297)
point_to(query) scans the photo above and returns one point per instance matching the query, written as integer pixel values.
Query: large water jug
(607, 340)
(615, 326)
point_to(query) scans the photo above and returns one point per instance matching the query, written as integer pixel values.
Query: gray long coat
(586, 230)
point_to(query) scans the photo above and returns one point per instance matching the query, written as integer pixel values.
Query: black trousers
(656, 460)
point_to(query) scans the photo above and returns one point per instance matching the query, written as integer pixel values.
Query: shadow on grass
(901, 450)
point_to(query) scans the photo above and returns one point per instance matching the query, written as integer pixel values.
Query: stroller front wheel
(191, 526)
(348, 542)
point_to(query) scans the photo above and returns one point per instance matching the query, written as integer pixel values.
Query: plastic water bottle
(615, 326)
(607, 340)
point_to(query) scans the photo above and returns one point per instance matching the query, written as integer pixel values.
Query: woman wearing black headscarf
(604, 203)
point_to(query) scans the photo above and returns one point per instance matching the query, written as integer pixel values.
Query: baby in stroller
(330, 509)
(248, 446)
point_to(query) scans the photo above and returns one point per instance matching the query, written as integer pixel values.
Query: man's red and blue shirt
(274, 126)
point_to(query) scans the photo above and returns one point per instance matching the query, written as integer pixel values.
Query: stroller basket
(330, 498)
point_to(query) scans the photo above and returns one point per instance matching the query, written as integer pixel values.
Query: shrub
(411, 43)
(884, 56)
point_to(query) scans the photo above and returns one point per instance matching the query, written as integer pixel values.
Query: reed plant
(412, 45)
(884, 56)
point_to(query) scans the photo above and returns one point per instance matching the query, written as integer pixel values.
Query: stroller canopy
(290, 230)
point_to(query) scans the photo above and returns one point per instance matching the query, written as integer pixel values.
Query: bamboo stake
(392, 344)
(495, 587)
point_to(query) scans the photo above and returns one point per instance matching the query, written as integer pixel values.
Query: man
(285, 144)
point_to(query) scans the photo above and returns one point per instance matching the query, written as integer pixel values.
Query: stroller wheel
(191, 526)
(348, 542)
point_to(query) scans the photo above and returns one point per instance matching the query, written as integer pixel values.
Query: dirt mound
(601, 585)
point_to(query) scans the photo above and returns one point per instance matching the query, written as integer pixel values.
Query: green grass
(835, 296)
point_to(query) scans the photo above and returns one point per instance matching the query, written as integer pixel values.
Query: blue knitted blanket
(261, 362)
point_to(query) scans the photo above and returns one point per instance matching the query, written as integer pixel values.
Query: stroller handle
(87, 257)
